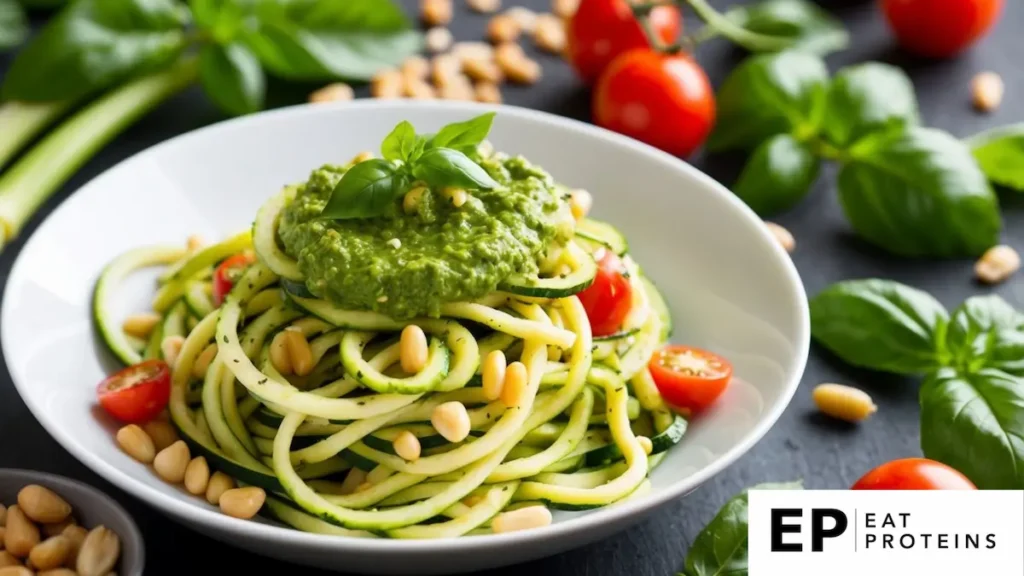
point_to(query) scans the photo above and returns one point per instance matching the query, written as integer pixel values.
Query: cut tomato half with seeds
(137, 393)
(689, 378)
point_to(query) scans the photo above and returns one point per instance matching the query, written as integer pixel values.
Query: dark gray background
(802, 444)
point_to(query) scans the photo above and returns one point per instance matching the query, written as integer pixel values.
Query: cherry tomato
(137, 393)
(664, 100)
(602, 29)
(229, 271)
(913, 474)
(688, 377)
(609, 298)
(940, 28)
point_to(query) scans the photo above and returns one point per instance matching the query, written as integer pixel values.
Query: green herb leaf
(365, 191)
(881, 325)
(1006, 352)
(94, 44)
(232, 77)
(919, 192)
(721, 548)
(464, 136)
(1000, 153)
(811, 28)
(770, 94)
(778, 175)
(975, 423)
(440, 167)
(13, 25)
(400, 143)
(318, 40)
(973, 328)
(222, 19)
(867, 98)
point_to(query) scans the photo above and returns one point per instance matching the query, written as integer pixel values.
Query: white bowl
(730, 287)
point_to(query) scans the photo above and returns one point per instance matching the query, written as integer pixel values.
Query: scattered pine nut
(219, 484)
(140, 325)
(20, 534)
(460, 88)
(457, 196)
(436, 12)
(242, 503)
(413, 349)
(782, 236)
(386, 84)
(418, 89)
(194, 242)
(484, 6)
(444, 69)
(43, 505)
(336, 92)
(55, 528)
(438, 39)
(202, 363)
(170, 463)
(171, 347)
(279, 356)
(410, 202)
(526, 18)
(463, 51)
(516, 65)
(482, 70)
(997, 264)
(565, 8)
(415, 67)
(76, 534)
(503, 28)
(8, 559)
(99, 552)
(987, 91)
(580, 202)
(646, 444)
(407, 446)
(136, 443)
(522, 519)
(488, 93)
(50, 553)
(197, 476)
(395, 243)
(161, 433)
(550, 34)
(513, 389)
(300, 355)
(451, 421)
(843, 402)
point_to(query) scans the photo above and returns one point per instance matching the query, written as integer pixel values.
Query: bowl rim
(213, 520)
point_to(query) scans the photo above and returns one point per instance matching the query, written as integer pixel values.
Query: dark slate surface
(801, 445)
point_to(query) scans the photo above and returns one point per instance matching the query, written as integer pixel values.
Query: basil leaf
(778, 175)
(867, 98)
(721, 548)
(94, 44)
(464, 136)
(881, 325)
(809, 27)
(13, 25)
(769, 94)
(318, 40)
(366, 190)
(440, 167)
(222, 19)
(1006, 352)
(232, 77)
(975, 423)
(400, 143)
(918, 192)
(1000, 153)
(973, 326)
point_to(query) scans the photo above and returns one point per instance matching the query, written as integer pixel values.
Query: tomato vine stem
(716, 24)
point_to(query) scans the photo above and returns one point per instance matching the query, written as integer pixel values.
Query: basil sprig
(367, 189)
(1000, 153)
(910, 190)
(972, 399)
(807, 26)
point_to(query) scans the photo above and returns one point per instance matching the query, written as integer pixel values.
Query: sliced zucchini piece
(599, 232)
(197, 298)
(660, 307)
(264, 236)
(668, 438)
(573, 283)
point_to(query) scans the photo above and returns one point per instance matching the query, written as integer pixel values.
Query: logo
(840, 533)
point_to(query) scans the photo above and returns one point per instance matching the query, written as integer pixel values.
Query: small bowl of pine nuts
(55, 526)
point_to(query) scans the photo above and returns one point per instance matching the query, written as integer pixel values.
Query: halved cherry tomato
(688, 377)
(914, 474)
(137, 393)
(608, 300)
(664, 100)
(600, 30)
(229, 271)
(940, 28)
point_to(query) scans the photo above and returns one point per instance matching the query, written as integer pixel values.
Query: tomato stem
(642, 13)
(723, 25)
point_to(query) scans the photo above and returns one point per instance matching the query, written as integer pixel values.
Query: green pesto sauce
(447, 254)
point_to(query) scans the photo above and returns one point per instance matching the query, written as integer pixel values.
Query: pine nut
(484, 6)
(136, 443)
(514, 388)
(987, 91)
(20, 534)
(170, 463)
(362, 157)
(508, 51)
(99, 552)
(57, 528)
(782, 236)
(353, 480)
(8, 559)
(219, 484)
(58, 572)
(438, 39)
(458, 88)
(300, 355)
(413, 349)
(526, 18)
(436, 12)
(522, 519)
(197, 476)
(335, 92)
(3, 515)
(843, 402)
(482, 70)
(415, 66)
(279, 356)
(457, 196)
(411, 200)
(75, 534)
(194, 242)
(202, 363)
(3, 530)
(140, 325)
(565, 8)
(50, 553)
(161, 433)
(451, 421)
(387, 84)
(549, 34)
(503, 28)
(580, 202)
(493, 374)
(516, 66)
(242, 503)
(444, 69)
(171, 347)
(646, 444)
(15, 571)
(43, 505)
(407, 446)
(395, 243)
(997, 264)
(418, 89)
(463, 51)
(488, 93)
